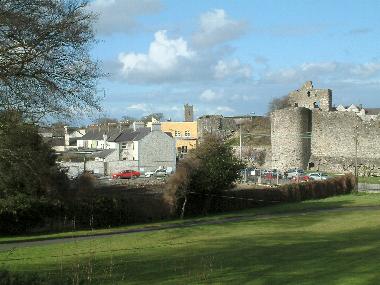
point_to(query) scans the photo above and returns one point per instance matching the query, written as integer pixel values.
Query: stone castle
(312, 134)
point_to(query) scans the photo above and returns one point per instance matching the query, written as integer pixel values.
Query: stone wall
(290, 139)
(117, 166)
(216, 124)
(76, 168)
(311, 98)
(155, 150)
(334, 138)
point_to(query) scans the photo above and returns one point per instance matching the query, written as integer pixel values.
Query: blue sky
(233, 57)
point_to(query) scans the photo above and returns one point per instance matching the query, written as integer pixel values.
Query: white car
(157, 173)
(294, 173)
(318, 176)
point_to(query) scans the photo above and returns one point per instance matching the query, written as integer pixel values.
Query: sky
(233, 57)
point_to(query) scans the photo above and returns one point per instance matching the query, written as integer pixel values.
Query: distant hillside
(256, 132)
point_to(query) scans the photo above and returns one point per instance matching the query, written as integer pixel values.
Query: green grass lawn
(340, 247)
(332, 202)
(370, 180)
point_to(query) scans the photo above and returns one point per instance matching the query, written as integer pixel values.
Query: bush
(207, 170)
(21, 213)
(242, 199)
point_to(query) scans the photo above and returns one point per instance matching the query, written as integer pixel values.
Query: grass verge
(314, 248)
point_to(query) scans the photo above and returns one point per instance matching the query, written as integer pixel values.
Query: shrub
(21, 213)
(295, 192)
(207, 170)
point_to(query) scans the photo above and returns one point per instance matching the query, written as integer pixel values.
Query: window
(177, 133)
(124, 145)
(187, 133)
(184, 149)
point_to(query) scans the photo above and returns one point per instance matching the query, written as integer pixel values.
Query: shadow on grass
(283, 251)
(226, 217)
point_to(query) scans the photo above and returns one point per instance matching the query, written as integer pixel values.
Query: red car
(127, 174)
(301, 178)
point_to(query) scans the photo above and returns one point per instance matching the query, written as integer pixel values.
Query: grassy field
(340, 247)
(369, 180)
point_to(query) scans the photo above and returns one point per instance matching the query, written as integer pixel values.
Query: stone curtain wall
(216, 124)
(289, 138)
(311, 98)
(333, 142)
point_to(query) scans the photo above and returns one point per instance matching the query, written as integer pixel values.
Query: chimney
(156, 126)
(138, 125)
(67, 137)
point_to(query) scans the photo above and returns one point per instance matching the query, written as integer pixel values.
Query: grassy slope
(333, 202)
(316, 248)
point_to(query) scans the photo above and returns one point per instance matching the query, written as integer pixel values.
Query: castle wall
(334, 142)
(311, 98)
(215, 124)
(289, 138)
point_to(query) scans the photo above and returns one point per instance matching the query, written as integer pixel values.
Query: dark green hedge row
(249, 198)
(23, 214)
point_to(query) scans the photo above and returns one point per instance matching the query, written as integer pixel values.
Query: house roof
(133, 135)
(98, 135)
(102, 154)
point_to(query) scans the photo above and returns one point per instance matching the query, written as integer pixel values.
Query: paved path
(6, 246)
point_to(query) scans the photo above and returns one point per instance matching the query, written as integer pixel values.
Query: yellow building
(185, 134)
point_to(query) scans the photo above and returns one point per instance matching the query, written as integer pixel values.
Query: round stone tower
(291, 138)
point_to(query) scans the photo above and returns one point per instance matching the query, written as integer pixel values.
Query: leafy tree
(106, 120)
(278, 103)
(45, 65)
(27, 165)
(148, 118)
(209, 169)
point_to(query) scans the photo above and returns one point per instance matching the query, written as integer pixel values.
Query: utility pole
(240, 139)
(356, 158)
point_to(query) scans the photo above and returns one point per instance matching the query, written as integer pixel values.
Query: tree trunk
(183, 207)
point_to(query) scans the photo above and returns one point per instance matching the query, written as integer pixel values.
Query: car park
(126, 174)
(294, 172)
(318, 176)
(301, 178)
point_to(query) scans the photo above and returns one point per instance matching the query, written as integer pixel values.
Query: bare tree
(45, 65)
(278, 103)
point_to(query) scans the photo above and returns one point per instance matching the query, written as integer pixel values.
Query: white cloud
(366, 70)
(162, 60)
(225, 69)
(139, 107)
(325, 71)
(216, 27)
(172, 60)
(224, 109)
(119, 16)
(209, 95)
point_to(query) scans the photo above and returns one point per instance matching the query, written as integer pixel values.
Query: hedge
(200, 203)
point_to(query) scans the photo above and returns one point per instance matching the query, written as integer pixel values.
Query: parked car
(301, 178)
(161, 172)
(318, 176)
(294, 172)
(126, 174)
(272, 174)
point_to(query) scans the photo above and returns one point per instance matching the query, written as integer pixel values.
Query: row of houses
(143, 147)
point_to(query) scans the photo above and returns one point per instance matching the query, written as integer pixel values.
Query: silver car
(318, 176)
